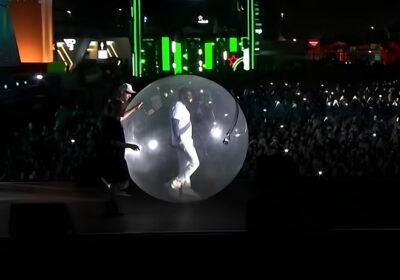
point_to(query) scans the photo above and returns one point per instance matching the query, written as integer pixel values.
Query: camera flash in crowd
(374, 134)
(286, 150)
(72, 141)
(320, 173)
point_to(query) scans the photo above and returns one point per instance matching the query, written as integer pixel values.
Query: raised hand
(134, 147)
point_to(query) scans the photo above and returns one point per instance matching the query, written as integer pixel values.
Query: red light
(232, 59)
(313, 42)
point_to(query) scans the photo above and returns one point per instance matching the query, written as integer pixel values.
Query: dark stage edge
(244, 211)
(142, 214)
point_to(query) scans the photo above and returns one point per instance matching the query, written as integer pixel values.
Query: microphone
(226, 140)
(228, 134)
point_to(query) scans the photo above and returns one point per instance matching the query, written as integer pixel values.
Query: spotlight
(216, 132)
(153, 144)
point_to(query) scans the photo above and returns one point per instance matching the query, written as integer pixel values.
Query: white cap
(127, 87)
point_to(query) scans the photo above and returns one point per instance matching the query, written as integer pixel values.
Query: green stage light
(166, 61)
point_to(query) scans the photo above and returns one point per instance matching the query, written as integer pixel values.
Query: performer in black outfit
(115, 172)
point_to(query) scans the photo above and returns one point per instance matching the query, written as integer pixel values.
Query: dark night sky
(302, 18)
(323, 18)
(316, 17)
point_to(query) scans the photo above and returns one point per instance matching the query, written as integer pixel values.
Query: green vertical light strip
(233, 44)
(133, 65)
(139, 24)
(248, 20)
(208, 64)
(165, 47)
(135, 40)
(132, 39)
(250, 30)
(178, 58)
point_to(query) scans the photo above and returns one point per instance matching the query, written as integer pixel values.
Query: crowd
(331, 130)
(335, 130)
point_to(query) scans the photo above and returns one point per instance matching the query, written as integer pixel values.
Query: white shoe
(176, 184)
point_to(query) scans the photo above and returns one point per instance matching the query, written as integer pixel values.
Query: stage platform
(242, 218)
(142, 214)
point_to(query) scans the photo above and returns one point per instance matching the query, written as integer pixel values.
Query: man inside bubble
(182, 141)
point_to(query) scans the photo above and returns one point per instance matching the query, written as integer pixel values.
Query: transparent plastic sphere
(219, 133)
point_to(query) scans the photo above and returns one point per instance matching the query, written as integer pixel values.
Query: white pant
(188, 161)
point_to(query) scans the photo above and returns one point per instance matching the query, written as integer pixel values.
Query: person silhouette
(115, 174)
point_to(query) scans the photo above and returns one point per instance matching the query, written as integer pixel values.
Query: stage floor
(225, 212)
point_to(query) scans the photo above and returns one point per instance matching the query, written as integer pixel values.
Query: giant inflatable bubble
(219, 132)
